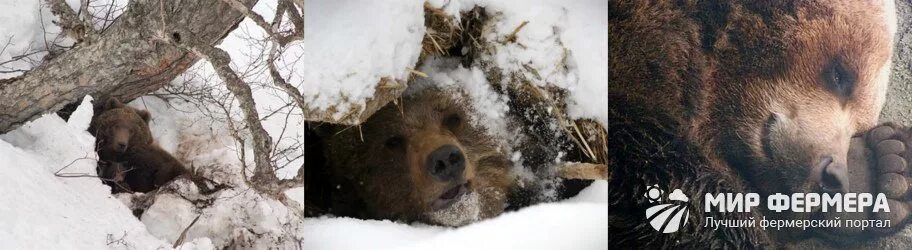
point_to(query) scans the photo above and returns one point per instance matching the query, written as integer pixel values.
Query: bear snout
(121, 140)
(831, 175)
(446, 163)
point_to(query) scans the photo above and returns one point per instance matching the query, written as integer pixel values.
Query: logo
(667, 217)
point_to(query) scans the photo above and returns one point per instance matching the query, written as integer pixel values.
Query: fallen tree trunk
(125, 61)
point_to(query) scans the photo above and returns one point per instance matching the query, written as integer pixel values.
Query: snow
(586, 35)
(44, 211)
(576, 223)
(558, 34)
(233, 214)
(26, 29)
(164, 126)
(490, 108)
(348, 47)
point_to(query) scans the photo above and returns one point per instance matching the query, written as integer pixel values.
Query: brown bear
(740, 97)
(128, 158)
(422, 160)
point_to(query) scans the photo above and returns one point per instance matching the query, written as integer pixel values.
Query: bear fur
(736, 97)
(128, 158)
(379, 170)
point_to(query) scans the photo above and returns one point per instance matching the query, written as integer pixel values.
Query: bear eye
(452, 121)
(394, 142)
(839, 79)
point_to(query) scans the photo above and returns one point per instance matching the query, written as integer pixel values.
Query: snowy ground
(576, 223)
(41, 210)
(348, 47)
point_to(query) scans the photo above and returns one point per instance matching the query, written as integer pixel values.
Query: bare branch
(70, 22)
(86, 19)
(272, 29)
(183, 235)
(296, 17)
(264, 176)
(74, 161)
(279, 81)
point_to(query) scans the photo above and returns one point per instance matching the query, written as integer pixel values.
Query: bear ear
(145, 115)
(113, 103)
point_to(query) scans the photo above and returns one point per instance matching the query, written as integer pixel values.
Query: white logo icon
(667, 218)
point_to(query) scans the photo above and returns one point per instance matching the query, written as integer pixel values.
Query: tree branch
(264, 177)
(69, 22)
(272, 29)
(126, 61)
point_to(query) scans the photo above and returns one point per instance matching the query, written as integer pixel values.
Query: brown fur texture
(382, 163)
(128, 158)
(734, 96)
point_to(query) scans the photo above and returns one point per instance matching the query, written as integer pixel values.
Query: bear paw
(891, 152)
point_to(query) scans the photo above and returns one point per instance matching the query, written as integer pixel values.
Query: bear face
(739, 97)
(797, 87)
(423, 160)
(118, 127)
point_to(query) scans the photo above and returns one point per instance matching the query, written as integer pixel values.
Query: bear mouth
(450, 196)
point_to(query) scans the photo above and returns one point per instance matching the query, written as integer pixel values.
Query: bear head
(422, 160)
(118, 127)
(790, 84)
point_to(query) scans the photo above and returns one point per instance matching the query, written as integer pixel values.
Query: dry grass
(442, 32)
(446, 35)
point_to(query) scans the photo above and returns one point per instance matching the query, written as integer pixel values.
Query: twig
(183, 235)
(72, 162)
(271, 29)
(419, 73)
(512, 37)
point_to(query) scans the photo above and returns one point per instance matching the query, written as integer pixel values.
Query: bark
(69, 21)
(264, 178)
(583, 171)
(264, 175)
(127, 60)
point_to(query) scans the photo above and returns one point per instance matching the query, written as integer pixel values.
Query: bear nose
(446, 163)
(834, 176)
(122, 146)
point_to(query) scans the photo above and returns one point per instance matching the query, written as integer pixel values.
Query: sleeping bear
(761, 97)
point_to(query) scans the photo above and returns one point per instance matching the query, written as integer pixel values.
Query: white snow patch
(577, 223)
(350, 45)
(233, 214)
